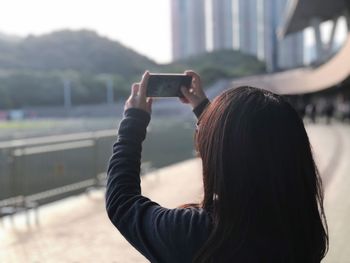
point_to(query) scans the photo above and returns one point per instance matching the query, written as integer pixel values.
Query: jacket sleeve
(160, 234)
(201, 107)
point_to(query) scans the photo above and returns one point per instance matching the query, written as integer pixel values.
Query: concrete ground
(77, 229)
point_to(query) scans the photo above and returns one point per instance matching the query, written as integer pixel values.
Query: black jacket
(168, 235)
(160, 234)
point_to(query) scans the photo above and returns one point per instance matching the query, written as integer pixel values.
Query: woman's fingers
(195, 95)
(137, 97)
(143, 84)
(184, 100)
(193, 74)
(187, 94)
(135, 89)
(196, 81)
(149, 102)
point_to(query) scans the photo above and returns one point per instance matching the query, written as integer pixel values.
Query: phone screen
(167, 85)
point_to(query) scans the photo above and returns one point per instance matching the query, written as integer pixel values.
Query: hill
(9, 38)
(219, 64)
(82, 51)
(32, 69)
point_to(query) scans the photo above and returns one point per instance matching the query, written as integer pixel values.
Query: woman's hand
(195, 94)
(138, 97)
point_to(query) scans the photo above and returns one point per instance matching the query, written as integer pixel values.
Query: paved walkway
(77, 229)
(337, 199)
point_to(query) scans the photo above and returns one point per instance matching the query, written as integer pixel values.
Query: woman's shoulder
(194, 223)
(187, 229)
(189, 215)
(194, 212)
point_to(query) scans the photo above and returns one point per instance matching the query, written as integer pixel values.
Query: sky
(143, 25)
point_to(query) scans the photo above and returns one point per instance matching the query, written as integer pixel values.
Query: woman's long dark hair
(261, 184)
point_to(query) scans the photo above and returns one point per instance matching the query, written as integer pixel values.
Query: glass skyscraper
(259, 22)
(188, 28)
(250, 26)
(222, 19)
(289, 50)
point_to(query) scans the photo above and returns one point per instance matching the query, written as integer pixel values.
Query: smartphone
(167, 85)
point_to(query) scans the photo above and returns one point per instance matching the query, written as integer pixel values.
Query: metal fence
(39, 170)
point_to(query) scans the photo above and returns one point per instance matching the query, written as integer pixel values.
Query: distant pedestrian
(344, 109)
(311, 112)
(263, 198)
(300, 108)
(329, 111)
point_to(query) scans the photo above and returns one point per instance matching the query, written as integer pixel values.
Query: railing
(39, 170)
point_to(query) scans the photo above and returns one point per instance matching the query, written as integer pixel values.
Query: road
(77, 229)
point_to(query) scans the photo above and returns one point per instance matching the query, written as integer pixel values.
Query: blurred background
(66, 68)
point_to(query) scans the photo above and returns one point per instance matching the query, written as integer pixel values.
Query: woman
(263, 198)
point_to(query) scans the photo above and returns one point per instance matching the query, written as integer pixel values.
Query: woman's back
(258, 166)
(262, 200)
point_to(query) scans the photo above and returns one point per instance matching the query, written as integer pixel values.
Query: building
(255, 24)
(259, 21)
(222, 15)
(290, 50)
(250, 26)
(188, 28)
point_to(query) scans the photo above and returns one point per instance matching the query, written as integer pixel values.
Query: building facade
(259, 23)
(222, 15)
(188, 28)
(290, 50)
(247, 16)
(250, 26)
